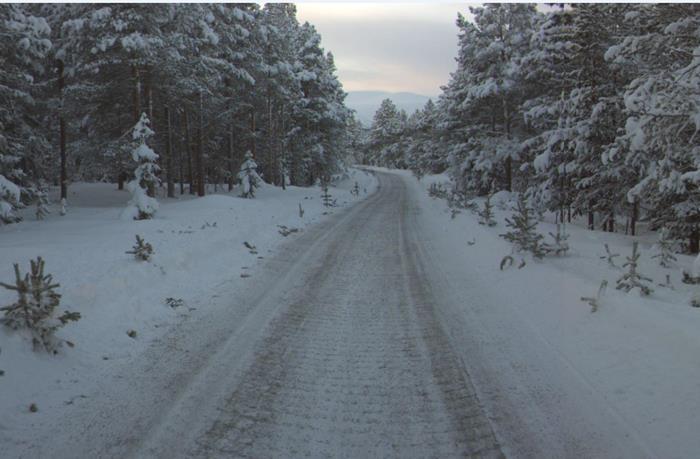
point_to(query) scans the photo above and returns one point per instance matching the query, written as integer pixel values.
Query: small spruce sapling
(523, 234)
(326, 196)
(665, 246)
(248, 176)
(594, 302)
(609, 256)
(560, 244)
(143, 205)
(35, 306)
(142, 250)
(64, 207)
(301, 211)
(486, 215)
(633, 279)
(355, 190)
(42, 204)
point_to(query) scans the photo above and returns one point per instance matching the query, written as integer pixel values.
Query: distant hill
(365, 103)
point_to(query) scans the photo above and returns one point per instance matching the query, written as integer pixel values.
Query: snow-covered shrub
(142, 250)
(594, 302)
(248, 176)
(326, 197)
(486, 215)
(633, 279)
(143, 205)
(437, 190)
(559, 244)
(42, 203)
(35, 306)
(609, 256)
(9, 199)
(665, 246)
(523, 234)
(355, 190)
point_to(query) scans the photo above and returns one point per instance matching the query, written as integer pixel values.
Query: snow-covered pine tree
(660, 137)
(326, 196)
(42, 203)
(24, 46)
(35, 306)
(248, 176)
(559, 244)
(665, 245)
(486, 215)
(523, 234)
(143, 205)
(142, 250)
(632, 278)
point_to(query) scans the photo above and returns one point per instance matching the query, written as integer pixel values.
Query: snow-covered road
(332, 348)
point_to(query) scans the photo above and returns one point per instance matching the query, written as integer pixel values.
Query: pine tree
(486, 215)
(143, 205)
(633, 279)
(524, 234)
(665, 245)
(248, 176)
(35, 306)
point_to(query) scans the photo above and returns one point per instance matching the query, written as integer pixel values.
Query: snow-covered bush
(559, 244)
(9, 198)
(142, 250)
(486, 215)
(42, 203)
(35, 306)
(326, 197)
(665, 247)
(248, 176)
(633, 279)
(143, 205)
(523, 234)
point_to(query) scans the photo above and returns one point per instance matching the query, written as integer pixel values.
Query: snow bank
(559, 380)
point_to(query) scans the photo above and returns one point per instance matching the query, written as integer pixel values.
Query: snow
(144, 152)
(9, 189)
(198, 245)
(558, 380)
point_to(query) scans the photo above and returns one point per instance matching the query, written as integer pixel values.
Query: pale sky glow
(389, 46)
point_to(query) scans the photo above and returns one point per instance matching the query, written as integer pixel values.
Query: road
(357, 363)
(333, 348)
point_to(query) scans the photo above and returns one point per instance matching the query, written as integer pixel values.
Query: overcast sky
(388, 46)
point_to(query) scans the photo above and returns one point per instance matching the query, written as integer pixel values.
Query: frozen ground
(383, 330)
(199, 252)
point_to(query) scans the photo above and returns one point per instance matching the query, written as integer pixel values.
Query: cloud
(391, 47)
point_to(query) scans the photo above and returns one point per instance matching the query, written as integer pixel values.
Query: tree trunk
(188, 142)
(633, 220)
(509, 160)
(136, 93)
(591, 217)
(169, 153)
(200, 148)
(282, 154)
(611, 222)
(253, 135)
(62, 131)
(231, 170)
(694, 241)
